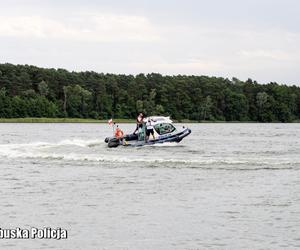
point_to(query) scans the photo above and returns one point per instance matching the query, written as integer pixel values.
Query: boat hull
(132, 139)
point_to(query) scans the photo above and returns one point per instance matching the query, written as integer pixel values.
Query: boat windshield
(164, 128)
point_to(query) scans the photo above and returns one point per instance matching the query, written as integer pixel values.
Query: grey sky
(249, 38)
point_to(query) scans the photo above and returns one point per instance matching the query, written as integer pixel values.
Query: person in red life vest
(119, 133)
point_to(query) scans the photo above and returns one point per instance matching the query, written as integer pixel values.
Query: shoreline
(87, 120)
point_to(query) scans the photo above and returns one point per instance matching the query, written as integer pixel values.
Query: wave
(84, 151)
(71, 142)
(81, 143)
(192, 163)
(46, 150)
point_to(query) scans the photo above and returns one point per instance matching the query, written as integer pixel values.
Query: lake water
(226, 186)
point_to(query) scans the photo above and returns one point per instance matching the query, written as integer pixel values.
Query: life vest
(119, 133)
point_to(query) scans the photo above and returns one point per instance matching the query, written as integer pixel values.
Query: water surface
(226, 186)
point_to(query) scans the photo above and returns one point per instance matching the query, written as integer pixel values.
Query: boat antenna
(114, 128)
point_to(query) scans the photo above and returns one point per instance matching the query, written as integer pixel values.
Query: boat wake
(74, 142)
(93, 152)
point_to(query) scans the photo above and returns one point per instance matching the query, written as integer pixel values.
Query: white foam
(56, 151)
(36, 154)
(75, 142)
(44, 149)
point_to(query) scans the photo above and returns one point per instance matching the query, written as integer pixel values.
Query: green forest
(29, 91)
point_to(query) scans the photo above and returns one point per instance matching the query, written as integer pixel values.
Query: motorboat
(163, 128)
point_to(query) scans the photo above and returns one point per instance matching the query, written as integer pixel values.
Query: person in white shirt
(149, 129)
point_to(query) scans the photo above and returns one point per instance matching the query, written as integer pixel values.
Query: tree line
(29, 91)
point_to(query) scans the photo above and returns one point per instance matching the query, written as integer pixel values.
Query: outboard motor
(113, 142)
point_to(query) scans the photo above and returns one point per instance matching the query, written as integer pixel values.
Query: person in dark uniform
(139, 122)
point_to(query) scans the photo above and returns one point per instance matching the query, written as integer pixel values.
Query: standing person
(139, 122)
(149, 130)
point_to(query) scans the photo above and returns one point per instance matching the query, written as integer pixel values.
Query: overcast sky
(258, 39)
